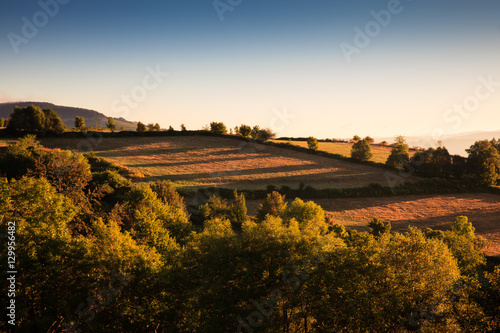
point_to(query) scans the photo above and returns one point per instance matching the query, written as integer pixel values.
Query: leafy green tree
(244, 131)
(356, 138)
(141, 127)
(400, 154)
(215, 208)
(111, 124)
(273, 205)
(209, 261)
(79, 122)
(183, 128)
(218, 128)
(120, 266)
(484, 162)
(361, 150)
(369, 139)
(151, 127)
(57, 264)
(397, 277)
(466, 248)
(277, 283)
(53, 123)
(312, 143)
(309, 215)
(30, 119)
(238, 210)
(166, 192)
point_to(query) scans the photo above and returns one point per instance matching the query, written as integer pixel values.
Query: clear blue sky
(265, 58)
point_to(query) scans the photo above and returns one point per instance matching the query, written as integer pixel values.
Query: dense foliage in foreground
(97, 253)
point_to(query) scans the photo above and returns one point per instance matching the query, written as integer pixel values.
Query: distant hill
(68, 114)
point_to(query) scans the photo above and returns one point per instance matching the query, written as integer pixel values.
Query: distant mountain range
(68, 114)
(455, 143)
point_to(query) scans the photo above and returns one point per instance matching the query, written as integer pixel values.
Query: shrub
(312, 143)
(79, 122)
(111, 124)
(20, 157)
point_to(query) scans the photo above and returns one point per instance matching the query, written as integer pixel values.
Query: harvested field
(193, 161)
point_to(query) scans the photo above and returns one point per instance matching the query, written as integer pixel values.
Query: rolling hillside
(194, 161)
(380, 152)
(199, 161)
(68, 114)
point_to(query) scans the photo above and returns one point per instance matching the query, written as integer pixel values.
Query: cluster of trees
(98, 253)
(34, 120)
(482, 163)
(150, 127)
(245, 131)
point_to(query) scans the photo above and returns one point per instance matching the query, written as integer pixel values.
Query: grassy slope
(203, 161)
(380, 153)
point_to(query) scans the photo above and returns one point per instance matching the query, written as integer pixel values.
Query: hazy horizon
(383, 68)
